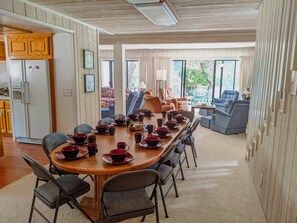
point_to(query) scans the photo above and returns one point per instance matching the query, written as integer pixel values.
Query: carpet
(219, 190)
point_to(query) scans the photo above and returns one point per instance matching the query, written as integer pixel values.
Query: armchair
(155, 105)
(234, 120)
(227, 97)
(167, 95)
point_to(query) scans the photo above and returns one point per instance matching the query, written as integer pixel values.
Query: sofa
(232, 121)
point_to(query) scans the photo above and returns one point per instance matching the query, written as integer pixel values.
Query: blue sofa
(232, 121)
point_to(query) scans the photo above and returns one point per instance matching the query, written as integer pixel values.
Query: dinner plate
(182, 121)
(82, 153)
(101, 133)
(145, 145)
(167, 135)
(107, 159)
(175, 127)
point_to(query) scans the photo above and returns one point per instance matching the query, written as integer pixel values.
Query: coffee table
(203, 106)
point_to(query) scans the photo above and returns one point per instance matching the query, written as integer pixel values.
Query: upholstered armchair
(155, 104)
(167, 95)
(227, 97)
(232, 121)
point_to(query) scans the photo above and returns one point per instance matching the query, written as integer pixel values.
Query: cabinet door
(39, 46)
(17, 47)
(2, 51)
(8, 121)
(2, 120)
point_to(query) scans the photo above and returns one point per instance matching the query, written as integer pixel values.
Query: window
(132, 74)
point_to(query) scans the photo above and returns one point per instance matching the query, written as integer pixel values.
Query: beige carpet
(220, 190)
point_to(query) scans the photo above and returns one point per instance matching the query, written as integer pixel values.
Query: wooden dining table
(94, 165)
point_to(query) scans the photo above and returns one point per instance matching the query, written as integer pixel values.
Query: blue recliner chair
(234, 120)
(227, 97)
(130, 103)
(139, 102)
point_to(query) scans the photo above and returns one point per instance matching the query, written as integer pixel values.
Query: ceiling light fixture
(159, 12)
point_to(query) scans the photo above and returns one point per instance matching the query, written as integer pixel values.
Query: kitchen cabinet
(2, 51)
(30, 46)
(6, 126)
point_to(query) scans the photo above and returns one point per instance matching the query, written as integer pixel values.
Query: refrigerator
(30, 88)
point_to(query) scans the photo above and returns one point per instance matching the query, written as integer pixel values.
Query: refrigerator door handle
(22, 92)
(26, 92)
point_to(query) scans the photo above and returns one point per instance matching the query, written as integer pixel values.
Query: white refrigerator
(31, 100)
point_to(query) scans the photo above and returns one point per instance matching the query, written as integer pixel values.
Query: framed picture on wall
(88, 59)
(89, 83)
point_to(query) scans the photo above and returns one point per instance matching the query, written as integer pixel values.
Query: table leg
(92, 204)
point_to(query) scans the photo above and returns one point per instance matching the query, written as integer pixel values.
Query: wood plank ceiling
(121, 19)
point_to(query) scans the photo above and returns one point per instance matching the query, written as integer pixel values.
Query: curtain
(245, 72)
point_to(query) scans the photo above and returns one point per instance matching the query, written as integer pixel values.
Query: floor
(12, 165)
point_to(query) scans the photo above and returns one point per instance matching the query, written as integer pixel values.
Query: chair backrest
(168, 154)
(130, 102)
(194, 125)
(230, 95)
(40, 171)
(83, 129)
(52, 141)
(188, 114)
(131, 181)
(106, 121)
(139, 102)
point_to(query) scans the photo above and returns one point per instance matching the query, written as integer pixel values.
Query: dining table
(102, 170)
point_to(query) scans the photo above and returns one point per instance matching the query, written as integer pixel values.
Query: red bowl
(152, 141)
(162, 131)
(70, 151)
(79, 138)
(120, 121)
(118, 155)
(101, 128)
(171, 124)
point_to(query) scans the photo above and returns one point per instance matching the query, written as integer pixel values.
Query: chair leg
(186, 156)
(74, 201)
(156, 207)
(163, 200)
(181, 170)
(56, 212)
(174, 184)
(193, 152)
(32, 208)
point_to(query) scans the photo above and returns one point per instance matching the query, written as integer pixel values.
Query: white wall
(64, 66)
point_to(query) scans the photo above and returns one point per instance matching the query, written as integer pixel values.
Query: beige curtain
(245, 72)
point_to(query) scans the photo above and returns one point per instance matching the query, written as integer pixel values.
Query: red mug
(138, 136)
(122, 145)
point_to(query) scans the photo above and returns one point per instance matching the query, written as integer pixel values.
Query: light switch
(67, 92)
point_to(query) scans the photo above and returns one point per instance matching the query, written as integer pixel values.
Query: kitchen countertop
(2, 97)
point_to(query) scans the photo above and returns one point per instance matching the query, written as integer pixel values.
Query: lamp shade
(161, 75)
(142, 85)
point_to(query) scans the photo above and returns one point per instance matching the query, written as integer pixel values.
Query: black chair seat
(127, 204)
(49, 192)
(164, 171)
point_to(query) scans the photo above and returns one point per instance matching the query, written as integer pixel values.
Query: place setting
(118, 156)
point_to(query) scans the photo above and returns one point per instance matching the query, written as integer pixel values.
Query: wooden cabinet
(30, 46)
(2, 51)
(6, 126)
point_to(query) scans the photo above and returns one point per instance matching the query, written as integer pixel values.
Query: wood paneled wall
(85, 37)
(271, 148)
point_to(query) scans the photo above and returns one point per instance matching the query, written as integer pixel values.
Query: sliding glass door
(225, 77)
(179, 73)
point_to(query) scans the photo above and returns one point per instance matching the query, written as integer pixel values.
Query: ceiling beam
(206, 37)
